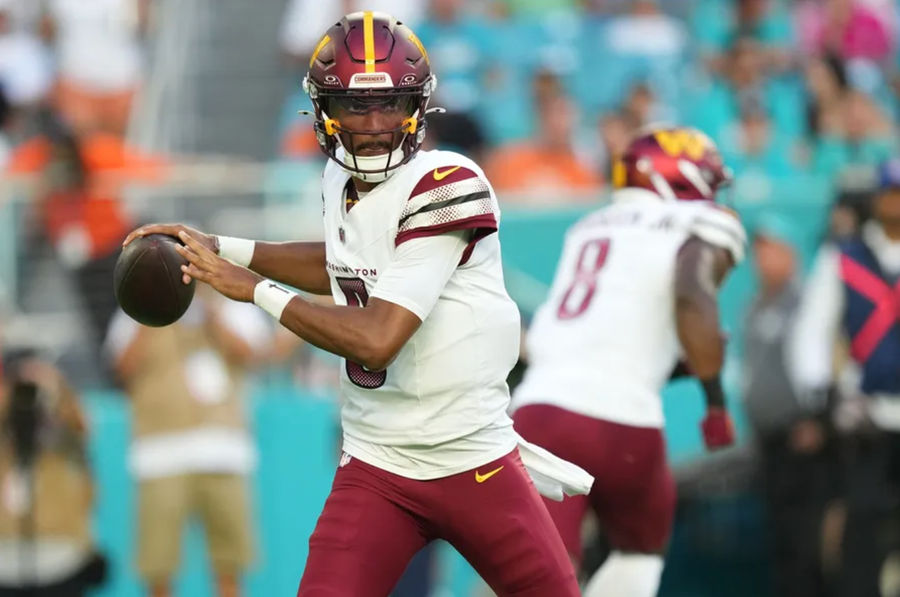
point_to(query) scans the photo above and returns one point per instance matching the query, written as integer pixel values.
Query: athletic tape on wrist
(272, 298)
(238, 250)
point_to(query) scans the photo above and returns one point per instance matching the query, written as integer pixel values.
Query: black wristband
(715, 397)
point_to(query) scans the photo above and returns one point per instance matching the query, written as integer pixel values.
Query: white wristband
(237, 250)
(272, 298)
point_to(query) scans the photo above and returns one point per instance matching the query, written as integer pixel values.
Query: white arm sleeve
(420, 270)
(811, 342)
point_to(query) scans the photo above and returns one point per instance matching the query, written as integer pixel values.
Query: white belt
(552, 476)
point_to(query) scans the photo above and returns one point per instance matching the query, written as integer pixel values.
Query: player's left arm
(716, 245)
(701, 268)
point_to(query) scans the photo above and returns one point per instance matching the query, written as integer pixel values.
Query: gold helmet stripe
(318, 49)
(369, 41)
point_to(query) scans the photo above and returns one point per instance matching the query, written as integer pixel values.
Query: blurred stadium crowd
(116, 112)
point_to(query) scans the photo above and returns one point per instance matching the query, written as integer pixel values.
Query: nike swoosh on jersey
(445, 173)
(487, 475)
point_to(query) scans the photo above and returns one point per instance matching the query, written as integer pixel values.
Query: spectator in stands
(826, 84)
(98, 49)
(745, 82)
(641, 107)
(191, 452)
(861, 134)
(547, 166)
(46, 544)
(645, 30)
(26, 67)
(77, 205)
(616, 130)
(796, 460)
(755, 150)
(715, 24)
(647, 43)
(853, 29)
(850, 300)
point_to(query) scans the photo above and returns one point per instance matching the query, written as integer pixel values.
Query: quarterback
(635, 288)
(424, 324)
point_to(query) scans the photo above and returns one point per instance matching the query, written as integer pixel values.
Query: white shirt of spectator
(605, 341)
(26, 68)
(306, 20)
(647, 35)
(97, 43)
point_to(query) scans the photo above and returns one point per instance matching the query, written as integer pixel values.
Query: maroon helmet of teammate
(369, 60)
(676, 163)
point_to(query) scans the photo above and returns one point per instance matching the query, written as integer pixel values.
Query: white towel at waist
(552, 476)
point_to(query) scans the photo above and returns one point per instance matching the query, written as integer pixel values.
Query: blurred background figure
(77, 210)
(26, 64)
(549, 163)
(99, 59)
(191, 453)
(848, 337)
(796, 462)
(47, 547)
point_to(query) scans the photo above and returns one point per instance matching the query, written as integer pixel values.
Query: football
(147, 281)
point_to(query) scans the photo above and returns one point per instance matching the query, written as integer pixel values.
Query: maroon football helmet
(369, 59)
(676, 163)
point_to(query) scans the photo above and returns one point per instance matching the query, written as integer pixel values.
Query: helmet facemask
(338, 141)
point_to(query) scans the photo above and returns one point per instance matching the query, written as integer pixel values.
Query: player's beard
(372, 168)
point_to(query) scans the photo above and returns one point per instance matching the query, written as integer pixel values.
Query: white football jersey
(604, 343)
(449, 380)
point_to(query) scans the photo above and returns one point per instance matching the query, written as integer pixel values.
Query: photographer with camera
(46, 548)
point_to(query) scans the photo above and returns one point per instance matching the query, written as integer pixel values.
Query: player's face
(372, 125)
(887, 207)
(775, 261)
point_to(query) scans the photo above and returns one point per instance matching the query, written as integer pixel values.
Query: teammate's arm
(297, 264)
(700, 269)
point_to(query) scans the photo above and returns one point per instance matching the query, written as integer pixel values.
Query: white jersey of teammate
(448, 382)
(605, 341)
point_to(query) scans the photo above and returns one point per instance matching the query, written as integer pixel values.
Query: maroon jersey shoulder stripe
(439, 177)
(484, 224)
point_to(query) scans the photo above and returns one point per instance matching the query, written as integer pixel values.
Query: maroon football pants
(633, 493)
(374, 522)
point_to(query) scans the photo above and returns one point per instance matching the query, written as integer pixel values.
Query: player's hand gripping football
(718, 429)
(232, 281)
(208, 240)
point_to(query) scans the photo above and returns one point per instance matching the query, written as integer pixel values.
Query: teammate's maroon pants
(374, 522)
(633, 493)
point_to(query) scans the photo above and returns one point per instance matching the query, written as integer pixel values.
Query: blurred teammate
(636, 286)
(425, 326)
